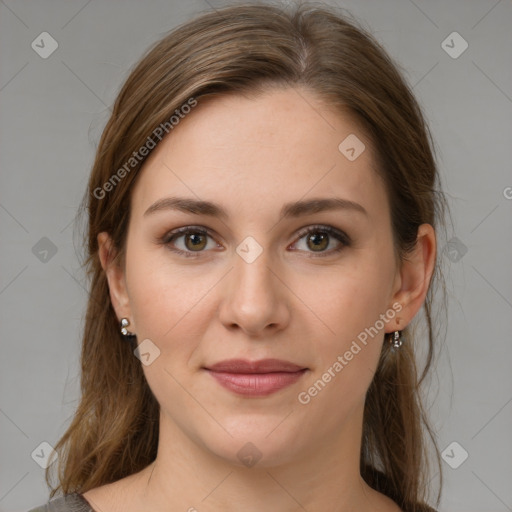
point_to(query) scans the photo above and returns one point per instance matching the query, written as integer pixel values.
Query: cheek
(347, 357)
(352, 303)
(167, 302)
(170, 308)
(351, 298)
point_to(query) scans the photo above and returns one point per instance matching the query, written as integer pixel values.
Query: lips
(263, 366)
(255, 378)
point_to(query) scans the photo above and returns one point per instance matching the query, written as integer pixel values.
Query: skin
(251, 156)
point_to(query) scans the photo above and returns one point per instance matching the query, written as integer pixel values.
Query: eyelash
(329, 230)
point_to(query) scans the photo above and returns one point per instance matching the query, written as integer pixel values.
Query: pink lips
(256, 378)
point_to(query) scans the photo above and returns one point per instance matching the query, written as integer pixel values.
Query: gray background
(52, 114)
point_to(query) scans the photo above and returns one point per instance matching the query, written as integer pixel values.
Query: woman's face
(248, 282)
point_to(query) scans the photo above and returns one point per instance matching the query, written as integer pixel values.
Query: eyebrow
(295, 209)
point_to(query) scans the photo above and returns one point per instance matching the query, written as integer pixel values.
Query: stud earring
(124, 324)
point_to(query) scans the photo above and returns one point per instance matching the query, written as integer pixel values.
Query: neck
(187, 476)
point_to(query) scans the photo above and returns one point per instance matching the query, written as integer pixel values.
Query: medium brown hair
(244, 49)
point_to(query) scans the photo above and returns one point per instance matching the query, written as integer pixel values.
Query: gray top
(69, 503)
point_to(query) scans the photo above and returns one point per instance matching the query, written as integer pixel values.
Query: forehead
(251, 152)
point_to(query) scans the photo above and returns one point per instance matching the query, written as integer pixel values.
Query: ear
(115, 276)
(414, 275)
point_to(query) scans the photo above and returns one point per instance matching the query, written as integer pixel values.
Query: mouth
(256, 378)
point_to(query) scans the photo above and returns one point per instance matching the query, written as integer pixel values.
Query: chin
(255, 443)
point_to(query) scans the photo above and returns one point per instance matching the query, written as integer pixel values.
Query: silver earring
(124, 324)
(396, 341)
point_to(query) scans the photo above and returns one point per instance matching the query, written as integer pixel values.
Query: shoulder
(68, 503)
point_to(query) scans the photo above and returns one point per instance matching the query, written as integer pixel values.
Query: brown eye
(195, 242)
(189, 241)
(318, 241)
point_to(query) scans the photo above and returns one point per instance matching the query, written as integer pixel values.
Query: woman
(261, 234)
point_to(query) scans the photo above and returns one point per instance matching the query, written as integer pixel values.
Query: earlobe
(415, 275)
(114, 274)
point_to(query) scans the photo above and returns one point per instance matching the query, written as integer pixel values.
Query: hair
(246, 49)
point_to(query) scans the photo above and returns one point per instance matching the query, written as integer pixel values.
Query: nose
(255, 299)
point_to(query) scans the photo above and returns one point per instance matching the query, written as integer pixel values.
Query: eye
(318, 239)
(193, 240)
(190, 241)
